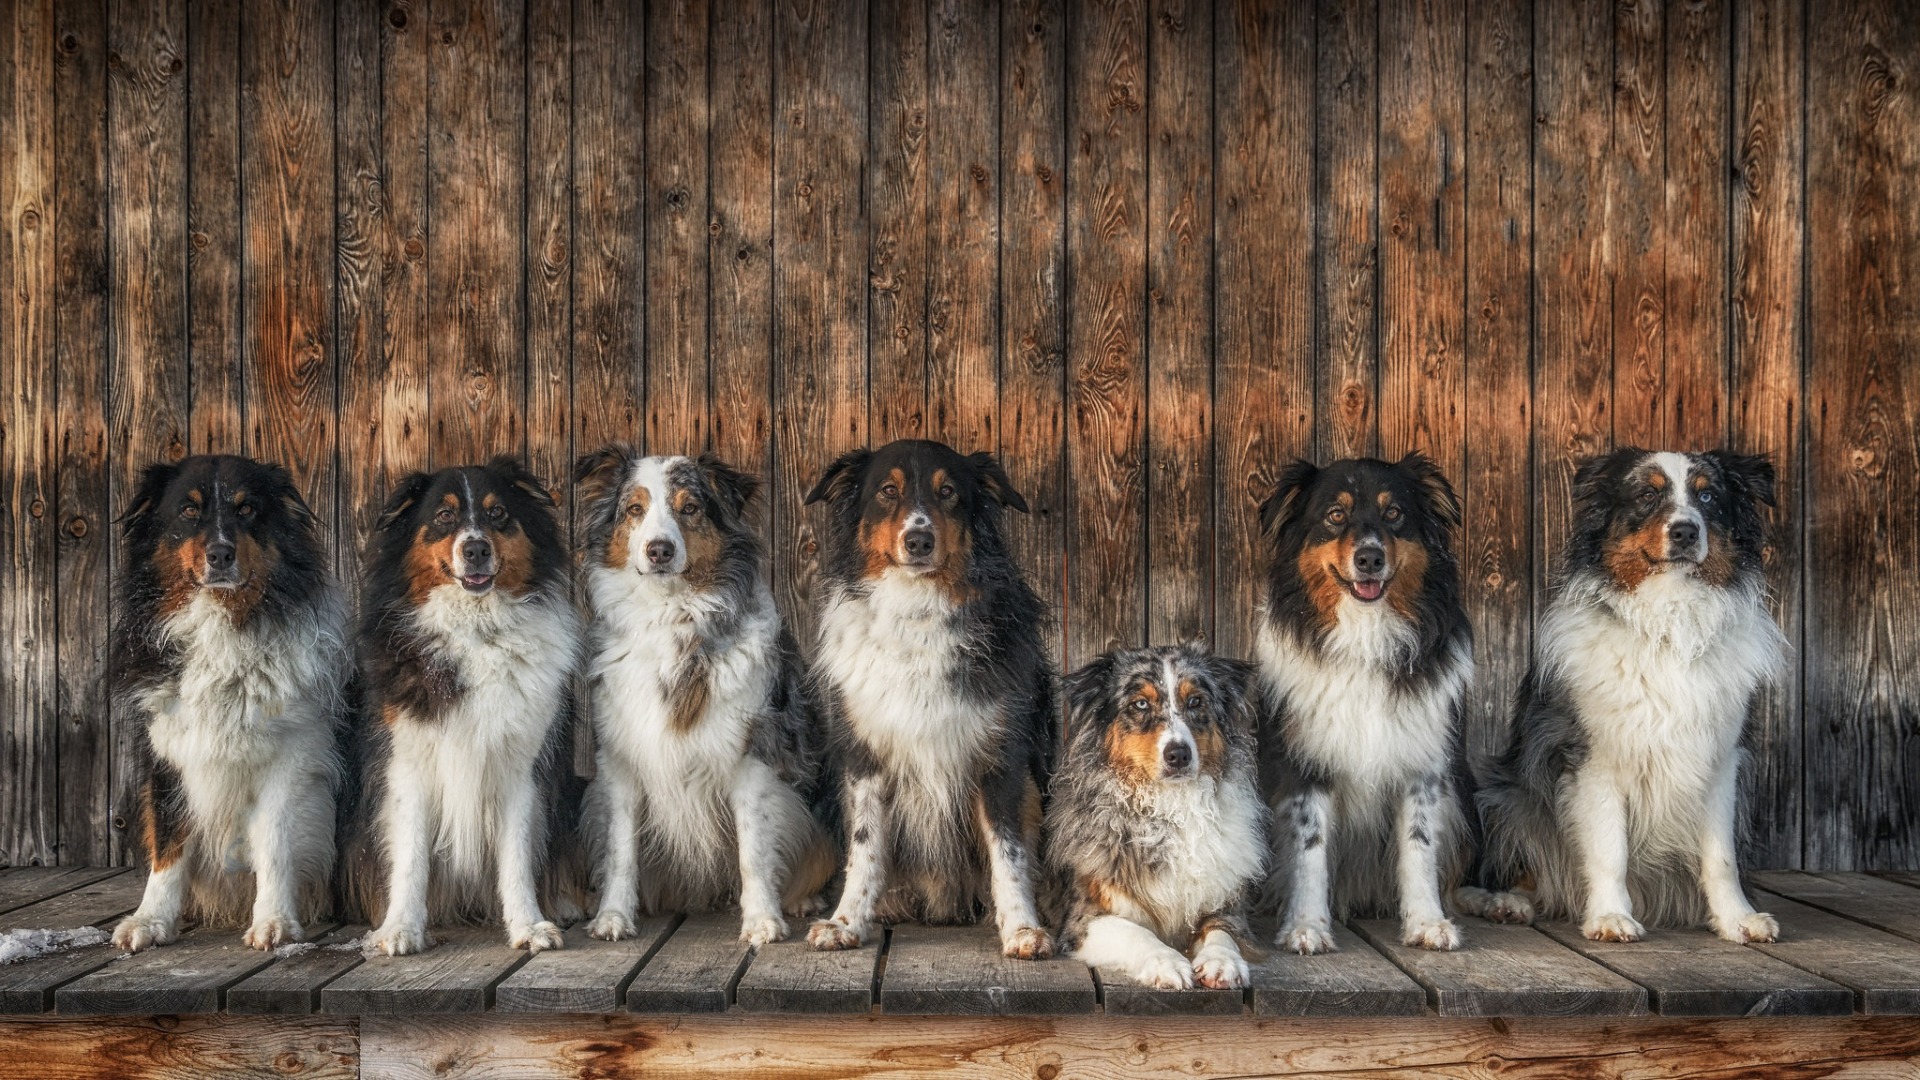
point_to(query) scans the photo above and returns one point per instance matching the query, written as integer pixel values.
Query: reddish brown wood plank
(1106, 308)
(899, 223)
(216, 250)
(1863, 227)
(81, 506)
(1347, 240)
(1496, 477)
(1179, 428)
(609, 220)
(1263, 285)
(676, 212)
(549, 242)
(1636, 223)
(820, 309)
(1767, 331)
(1696, 189)
(963, 258)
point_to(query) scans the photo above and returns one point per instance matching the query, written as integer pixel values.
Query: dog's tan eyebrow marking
(240, 496)
(1700, 481)
(1658, 479)
(1385, 499)
(195, 495)
(450, 501)
(1345, 499)
(490, 501)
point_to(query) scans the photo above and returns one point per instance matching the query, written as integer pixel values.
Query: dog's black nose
(1369, 560)
(659, 552)
(476, 549)
(919, 543)
(220, 556)
(1683, 534)
(1178, 755)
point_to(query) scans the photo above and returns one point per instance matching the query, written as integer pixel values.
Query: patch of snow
(16, 945)
(293, 948)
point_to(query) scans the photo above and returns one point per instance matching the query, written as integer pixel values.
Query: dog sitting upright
(708, 756)
(938, 693)
(1365, 653)
(467, 642)
(1154, 829)
(231, 653)
(1617, 794)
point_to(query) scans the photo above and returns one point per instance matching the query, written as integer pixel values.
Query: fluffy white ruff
(1210, 830)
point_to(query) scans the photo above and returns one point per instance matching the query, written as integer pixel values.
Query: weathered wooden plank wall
(1147, 251)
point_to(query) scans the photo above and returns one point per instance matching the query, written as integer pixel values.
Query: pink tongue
(1367, 590)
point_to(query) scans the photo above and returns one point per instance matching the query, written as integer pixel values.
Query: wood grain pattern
(963, 203)
(586, 976)
(187, 1047)
(694, 971)
(1356, 980)
(217, 246)
(897, 207)
(1636, 224)
(790, 976)
(1882, 970)
(292, 984)
(1508, 971)
(675, 287)
(1346, 189)
(1694, 973)
(457, 975)
(189, 976)
(548, 264)
(959, 970)
(1878, 902)
(1696, 193)
(24, 885)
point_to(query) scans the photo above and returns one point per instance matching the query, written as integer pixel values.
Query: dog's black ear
(1750, 476)
(1439, 495)
(1239, 685)
(525, 480)
(597, 475)
(735, 488)
(411, 489)
(147, 493)
(1085, 693)
(1593, 476)
(287, 495)
(994, 479)
(842, 478)
(1289, 491)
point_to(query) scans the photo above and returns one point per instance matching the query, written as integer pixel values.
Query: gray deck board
(959, 970)
(291, 986)
(28, 986)
(695, 970)
(587, 976)
(1878, 902)
(792, 977)
(1695, 973)
(25, 885)
(1508, 971)
(455, 976)
(1883, 971)
(1355, 981)
(189, 976)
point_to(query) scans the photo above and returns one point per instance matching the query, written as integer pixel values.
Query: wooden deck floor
(1850, 955)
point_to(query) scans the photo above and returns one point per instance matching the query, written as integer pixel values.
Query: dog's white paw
(611, 925)
(1509, 907)
(1220, 969)
(1028, 943)
(1307, 937)
(808, 906)
(762, 929)
(1613, 926)
(399, 940)
(137, 932)
(1753, 926)
(829, 935)
(1439, 935)
(273, 931)
(1164, 970)
(536, 938)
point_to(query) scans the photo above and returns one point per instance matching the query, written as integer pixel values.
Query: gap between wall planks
(1147, 252)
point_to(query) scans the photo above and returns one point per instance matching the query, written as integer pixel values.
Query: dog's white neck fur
(1209, 830)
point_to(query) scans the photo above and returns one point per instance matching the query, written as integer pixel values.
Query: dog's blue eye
(1706, 498)
(1141, 705)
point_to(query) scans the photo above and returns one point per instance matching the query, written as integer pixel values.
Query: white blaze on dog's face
(655, 542)
(1641, 514)
(1682, 528)
(1165, 726)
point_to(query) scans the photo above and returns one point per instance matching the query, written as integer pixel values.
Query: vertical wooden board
(1496, 476)
(1347, 237)
(1031, 296)
(549, 243)
(1863, 603)
(1263, 286)
(1696, 189)
(963, 257)
(1179, 507)
(476, 183)
(820, 232)
(216, 336)
(899, 223)
(81, 505)
(147, 275)
(609, 319)
(1637, 240)
(740, 254)
(287, 158)
(1767, 329)
(1106, 335)
(29, 638)
(676, 223)
(1573, 314)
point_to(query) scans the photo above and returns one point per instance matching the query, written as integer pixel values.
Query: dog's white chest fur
(512, 658)
(1207, 832)
(648, 624)
(1661, 679)
(1347, 715)
(892, 654)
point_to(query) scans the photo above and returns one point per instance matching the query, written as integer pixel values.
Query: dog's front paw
(611, 925)
(1028, 943)
(1613, 927)
(762, 929)
(1165, 970)
(831, 935)
(1439, 935)
(137, 932)
(808, 906)
(1753, 926)
(1307, 937)
(273, 931)
(1509, 907)
(537, 938)
(1220, 969)
(399, 940)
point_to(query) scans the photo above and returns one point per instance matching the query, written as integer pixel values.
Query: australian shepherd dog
(938, 695)
(1155, 829)
(467, 645)
(708, 756)
(1365, 652)
(231, 653)
(1616, 796)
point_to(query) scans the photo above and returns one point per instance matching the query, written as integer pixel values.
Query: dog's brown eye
(689, 508)
(636, 510)
(1196, 701)
(946, 491)
(189, 511)
(244, 509)
(1393, 513)
(1337, 516)
(444, 515)
(889, 491)
(496, 513)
